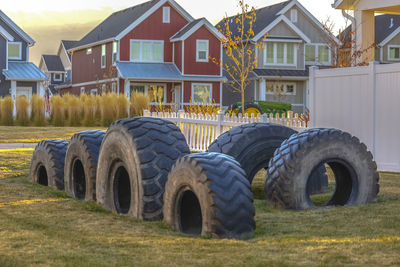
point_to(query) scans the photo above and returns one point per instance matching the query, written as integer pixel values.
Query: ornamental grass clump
(22, 106)
(123, 106)
(38, 110)
(109, 108)
(74, 111)
(7, 108)
(139, 102)
(89, 109)
(57, 110)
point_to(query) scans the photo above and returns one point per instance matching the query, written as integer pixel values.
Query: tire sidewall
(41, 158)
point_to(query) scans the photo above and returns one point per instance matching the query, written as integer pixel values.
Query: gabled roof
(192, 27)
(17, 29)
(53, 63)
(24, 71)
(122, 22)
(68, 44)
(6, 34)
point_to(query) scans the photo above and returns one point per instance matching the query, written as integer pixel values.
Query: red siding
(202, 68)
(154, 29)
(121, 86)
(178, 55)
(87, 68)
(215, 93)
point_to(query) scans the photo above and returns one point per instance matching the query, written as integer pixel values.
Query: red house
(154, 45)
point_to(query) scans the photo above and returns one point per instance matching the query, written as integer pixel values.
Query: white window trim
(20, 50)
(94, 91)
(83, 91)
(141, 48)
(294, 16)
(207, 51)
(146, 89)
(316, 45)
(103, 64)
(89, 51)
(284, 55)
(116, 52)
(284, 88)
(58, 80)
(202, 84)
(393, 46)
(166, 14)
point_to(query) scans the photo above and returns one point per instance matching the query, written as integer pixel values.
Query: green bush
(273, 107)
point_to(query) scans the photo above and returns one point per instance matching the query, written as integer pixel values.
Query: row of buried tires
(142, 167)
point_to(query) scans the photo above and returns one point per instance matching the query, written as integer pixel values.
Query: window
(166, 14)
(14, 50)
(103, 56)
(57, 77)
(394, 52)
(280, 88)
(89, 51)
(202, 50)
(93, 91)
(293, 15)
(318, 53)
(201, 93)
(147, 51)
(83, 91)
(280, 54)
(115, 50)
(156, 92)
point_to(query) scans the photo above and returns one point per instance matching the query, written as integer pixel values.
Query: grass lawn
(36, 134)
(58, 231)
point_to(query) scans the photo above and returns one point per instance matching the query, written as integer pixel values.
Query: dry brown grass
(139, 102)
(7, 107)
(22, 106)
(123, 106)
(89, 109)
(109, 108)
(57, 111)
(38, 110)
(75, 108)
(203, 109)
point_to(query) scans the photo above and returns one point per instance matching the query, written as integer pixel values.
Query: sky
(49, 21)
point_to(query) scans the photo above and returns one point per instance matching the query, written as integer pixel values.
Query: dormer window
(166, 14)
(15, 50)
(293, 15)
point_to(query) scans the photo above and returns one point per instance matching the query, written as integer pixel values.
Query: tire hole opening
(42, 176)
(79, 179)
(257, 186)
(122, 191)
(189, 214)
(332, 183)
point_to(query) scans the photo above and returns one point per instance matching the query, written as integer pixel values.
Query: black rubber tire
(81, 164)
(252, 145)
(290, 168)
(208, 194)
(135, 158)
(47, 164)
(253, 106)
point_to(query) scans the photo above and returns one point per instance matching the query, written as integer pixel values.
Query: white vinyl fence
(363, 101)
(201, 130)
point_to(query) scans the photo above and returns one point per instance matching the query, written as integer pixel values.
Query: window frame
(146, 90)
(285, 53)
(201, 84)
(103, 64)
(59, 79)
(115, 52)
(94, 91)
(294, 17)
(285, 84)
(89, 51)
(207, 51)
(20, 50)
(83, 90)
(166, 14)
(389, 48)
(141, 50)
(316, 53)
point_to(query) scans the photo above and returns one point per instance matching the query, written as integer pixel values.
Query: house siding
(230, 97)
(394, 41)
(178, 55)
(202, 68)
(4, 86)
(17, 38)
(62, 53)
(154, 29)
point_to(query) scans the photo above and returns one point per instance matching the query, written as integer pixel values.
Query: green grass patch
(75, 233)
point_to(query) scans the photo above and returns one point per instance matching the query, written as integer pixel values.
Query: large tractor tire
(81, 165)
(289, 172)
(135, 158)
(208, 194)
(255, 109)
(47, 164)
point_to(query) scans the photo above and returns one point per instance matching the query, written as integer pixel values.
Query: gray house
(58, 67)
(18, 76)
(296, 40)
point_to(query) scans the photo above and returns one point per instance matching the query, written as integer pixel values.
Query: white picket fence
(201, 130)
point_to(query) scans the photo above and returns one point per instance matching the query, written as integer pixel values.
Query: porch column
(365, 35)
(14, 96)
(127, 89)
(262, 90)
(40, 89)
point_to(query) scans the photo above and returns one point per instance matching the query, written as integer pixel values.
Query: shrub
(89, 109)
(274, 107)
(203, 109)
(7, 109)
(22, 106)
(109, 109)
(139, 102)
(57, 110)
(123, 106)
(38, 110)
(74, 111)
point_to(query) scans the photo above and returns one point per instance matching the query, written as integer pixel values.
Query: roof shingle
(53, 63)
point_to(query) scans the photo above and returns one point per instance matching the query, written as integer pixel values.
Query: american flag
(47, 99)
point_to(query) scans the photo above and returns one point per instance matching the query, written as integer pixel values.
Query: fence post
(181, 114)
(312, 95)
(264, 118)
(146, 113)
(220, 120)
(372, 80)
